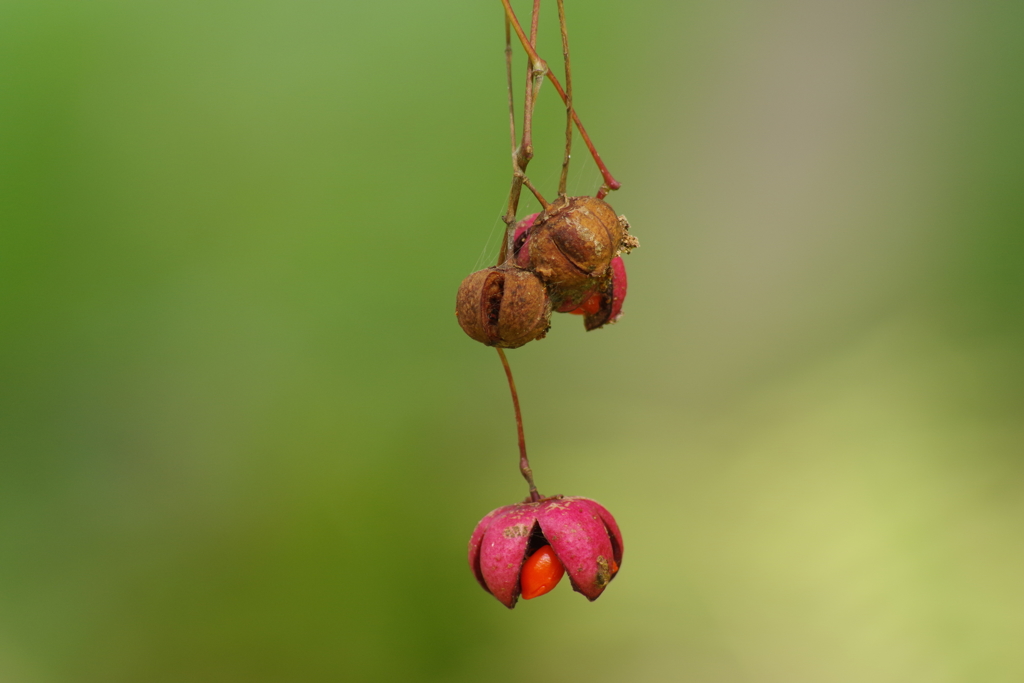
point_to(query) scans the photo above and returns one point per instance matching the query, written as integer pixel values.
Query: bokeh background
(243, 439)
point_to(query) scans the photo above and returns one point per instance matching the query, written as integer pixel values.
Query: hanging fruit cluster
(567, 258)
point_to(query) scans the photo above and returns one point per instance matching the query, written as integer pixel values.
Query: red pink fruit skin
(604, 307)
(474, 545)
(523, 255)
(582, 534)
(619, 283)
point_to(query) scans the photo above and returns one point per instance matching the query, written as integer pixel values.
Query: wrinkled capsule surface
(582, 534)
(538, 241)
(504, 306)
(572, 243)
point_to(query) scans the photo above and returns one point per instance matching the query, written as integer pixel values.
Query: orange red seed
(541, 572)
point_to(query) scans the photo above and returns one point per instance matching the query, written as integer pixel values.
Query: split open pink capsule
(581, 532)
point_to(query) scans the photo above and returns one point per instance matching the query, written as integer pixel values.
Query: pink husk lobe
(581, 532)
(521, 241)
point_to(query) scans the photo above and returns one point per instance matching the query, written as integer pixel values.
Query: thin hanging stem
(512, 131)
(536, 193)
(568, 103)
(508, 79)
(535, 17)
(522, 154)
(610, 183)
(524, 462)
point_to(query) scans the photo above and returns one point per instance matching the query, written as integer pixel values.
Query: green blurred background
(242, 437)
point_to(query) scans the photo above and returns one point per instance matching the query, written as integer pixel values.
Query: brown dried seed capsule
(572, 244)
(503, 306)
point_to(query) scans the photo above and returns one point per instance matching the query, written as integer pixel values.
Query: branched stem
(610, 183)
(523, 153)
(524, 462)
(514, 192)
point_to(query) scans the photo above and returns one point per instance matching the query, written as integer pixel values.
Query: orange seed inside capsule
(589, 307)
(541, 572)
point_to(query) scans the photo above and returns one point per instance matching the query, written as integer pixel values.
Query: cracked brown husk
(570, 246)
(503, 306)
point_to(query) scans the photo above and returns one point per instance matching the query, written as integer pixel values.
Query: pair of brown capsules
(567, 258)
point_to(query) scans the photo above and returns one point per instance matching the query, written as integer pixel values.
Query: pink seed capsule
(582, 534)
